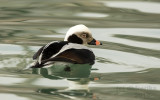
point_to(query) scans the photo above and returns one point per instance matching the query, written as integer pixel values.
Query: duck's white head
(80, 34)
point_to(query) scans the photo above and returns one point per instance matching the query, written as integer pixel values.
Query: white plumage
(75, 29)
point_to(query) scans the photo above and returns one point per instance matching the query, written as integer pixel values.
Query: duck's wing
(48, 50)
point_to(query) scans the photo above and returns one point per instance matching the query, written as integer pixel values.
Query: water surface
(127, 64)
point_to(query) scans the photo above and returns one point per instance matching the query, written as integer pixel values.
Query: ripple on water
(51, 36)
(91, 15)
(50, 83)
(11, 62)
(123, 61)
(8, 96)
(11, 49)
(107, 34)
(11, 80)
(136, 86)
(143, 6)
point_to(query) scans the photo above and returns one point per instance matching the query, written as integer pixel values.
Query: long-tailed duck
(71, 50)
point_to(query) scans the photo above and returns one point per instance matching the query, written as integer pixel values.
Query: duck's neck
(75, 39)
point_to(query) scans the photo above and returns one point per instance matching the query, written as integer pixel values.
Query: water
(127, 64)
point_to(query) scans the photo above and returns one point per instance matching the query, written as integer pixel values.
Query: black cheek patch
(75, 39)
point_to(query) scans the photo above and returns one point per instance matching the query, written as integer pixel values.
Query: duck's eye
(84, 35)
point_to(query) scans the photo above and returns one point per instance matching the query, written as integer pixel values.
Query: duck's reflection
(77, 75)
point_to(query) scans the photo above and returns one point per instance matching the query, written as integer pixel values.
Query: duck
(73, 50)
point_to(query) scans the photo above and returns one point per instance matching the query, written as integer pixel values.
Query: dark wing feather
(51, 49)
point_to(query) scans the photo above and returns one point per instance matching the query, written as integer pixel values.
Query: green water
(127, 64)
